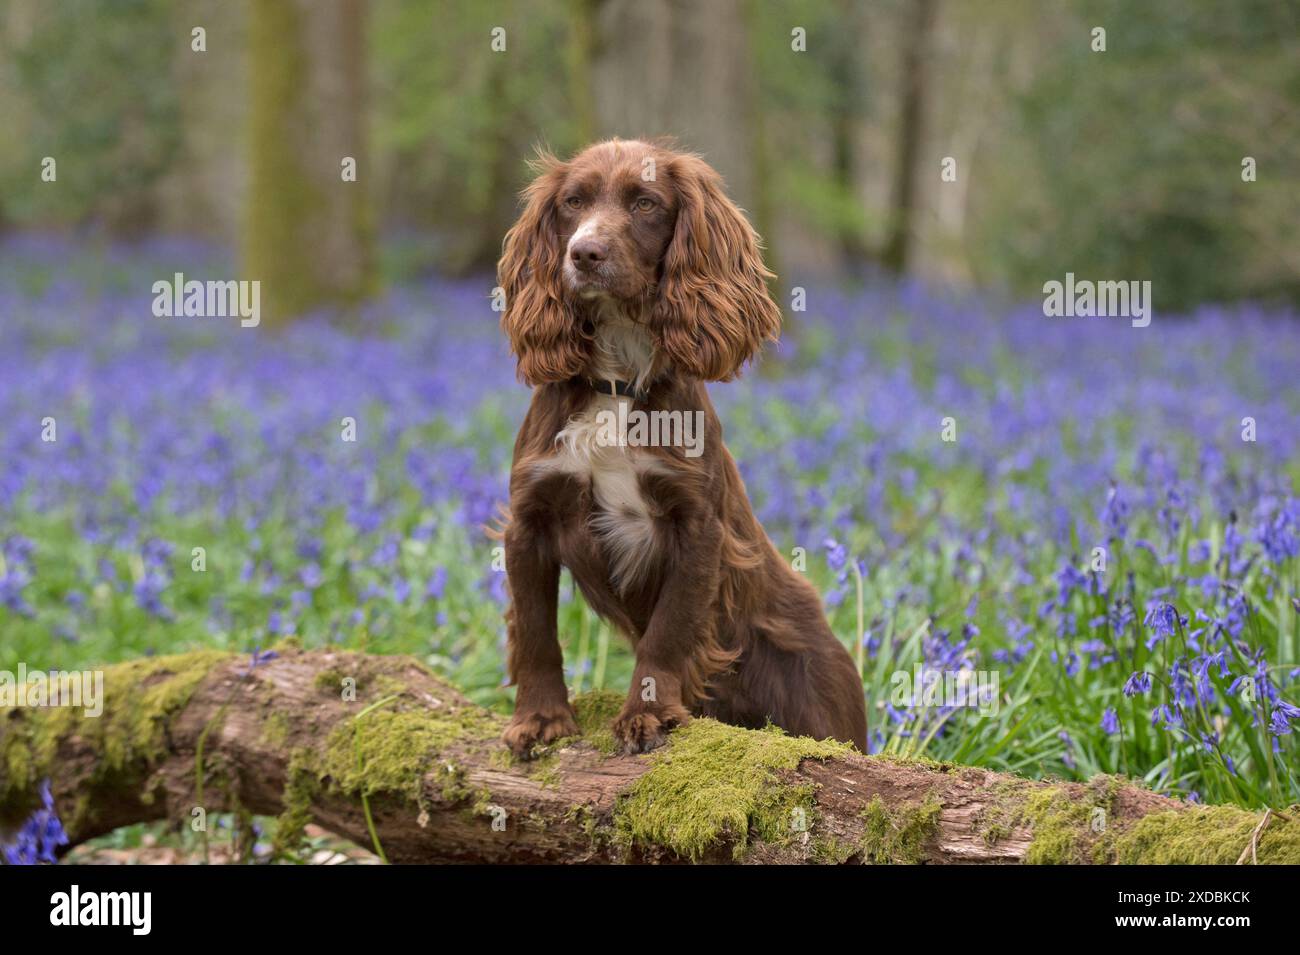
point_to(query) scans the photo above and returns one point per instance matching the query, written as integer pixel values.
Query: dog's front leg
(542, 711)
(675, 652)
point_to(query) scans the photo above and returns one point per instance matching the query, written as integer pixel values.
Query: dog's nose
(588, 253)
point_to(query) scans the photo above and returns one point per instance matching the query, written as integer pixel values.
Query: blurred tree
(1122, 164)
(817, 64)
(684, 70)
(1130, 159)
(583, 15)
(970, 107)
(307, 233)
(87, 85)
(916, 67)
(846, 108)
(457, 119)
(205, 188)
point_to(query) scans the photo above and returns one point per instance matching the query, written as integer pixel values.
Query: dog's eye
(573, 202)
(644, 204)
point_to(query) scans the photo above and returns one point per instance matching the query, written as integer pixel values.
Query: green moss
(388, 750)
(330, 681)
(713, 784)
(299, 791)
(993, 831)
(582, 816)
(897, 836)
(139, 698)
(545, 771)
(15, 756)
(1059, 818)
(275, 729)
(1058, 823)
(1206, 835)
(453, 788)
(397, 747)
(1001, 814)
(384, 685)
(480, 800)
(919, 762)
(595, 713)
(829, 850)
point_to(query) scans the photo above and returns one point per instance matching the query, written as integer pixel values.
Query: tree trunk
(682, 69)
(307, 230)
(581, 53)
(915, 86)
(331, 736)
(846, 116)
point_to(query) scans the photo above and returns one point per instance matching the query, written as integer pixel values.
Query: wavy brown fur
(720, 623)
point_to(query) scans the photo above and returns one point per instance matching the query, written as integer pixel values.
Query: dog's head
(649, 230)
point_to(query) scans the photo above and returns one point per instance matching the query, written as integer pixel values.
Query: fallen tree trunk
(331, 737)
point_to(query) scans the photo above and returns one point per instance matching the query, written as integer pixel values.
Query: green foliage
(1131, 158)
(1123, 164)
(461, 119)
(90, 86)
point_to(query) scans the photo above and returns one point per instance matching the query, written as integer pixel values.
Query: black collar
(610, 386)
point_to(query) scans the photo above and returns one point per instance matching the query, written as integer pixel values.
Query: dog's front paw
(526, 730)
(643, 727)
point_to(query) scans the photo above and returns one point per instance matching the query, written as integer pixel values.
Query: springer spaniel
(630, 280)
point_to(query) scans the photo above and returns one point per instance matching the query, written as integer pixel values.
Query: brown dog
(630, 280)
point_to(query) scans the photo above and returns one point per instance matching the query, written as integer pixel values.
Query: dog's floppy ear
(713, 312)
(541, 325)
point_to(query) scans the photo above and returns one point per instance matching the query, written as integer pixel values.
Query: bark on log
(288, 737)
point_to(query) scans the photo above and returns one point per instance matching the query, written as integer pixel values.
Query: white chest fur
(622, 519)
(586, 447)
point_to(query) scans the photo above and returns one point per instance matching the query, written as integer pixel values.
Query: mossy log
(329, 736)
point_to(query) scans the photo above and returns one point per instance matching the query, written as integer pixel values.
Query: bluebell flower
(401, 590)
(18, 549)
(437, 584)
(1279, 723)
(40, 835)
(1163, 620)
(1115, 514)
(1109, 722)
(149, 591)
(1067, 754)
(310, 575)
(260, 657)
(11, 592)
(836, 555)
(1139, 682)
(1168, 716)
